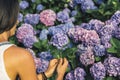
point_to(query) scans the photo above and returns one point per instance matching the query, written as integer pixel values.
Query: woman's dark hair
(9, 10)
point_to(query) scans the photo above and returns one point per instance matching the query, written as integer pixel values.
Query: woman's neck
(4, 37)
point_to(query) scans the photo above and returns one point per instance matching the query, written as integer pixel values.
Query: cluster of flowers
(93, 38)
(26, 35)
(85, 4)
(104, 32)
(77, 74)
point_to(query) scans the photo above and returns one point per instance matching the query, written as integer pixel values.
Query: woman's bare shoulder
(18, 54)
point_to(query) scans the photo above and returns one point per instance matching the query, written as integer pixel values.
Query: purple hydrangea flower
(20, 17)
(43, 34)
(88, 5)
(39, 7)
(112, 66)
(87, 58)
(116, 17)
(29, 40)
(105, 40)
(67, 10)
(74, 13)
(98, 71)
(62, 16)
(23, 31)
(107, 30)
(70, 76)
(79, 74)
(59, 40)
(99, 50)
(76, 33)
(32, 19)
(91, 38)
(45, 55)
(96, 24)
(42, 65)
(23, 5)
(117, 33)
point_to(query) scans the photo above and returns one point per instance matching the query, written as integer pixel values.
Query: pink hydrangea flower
(48, 17)
(23, 30)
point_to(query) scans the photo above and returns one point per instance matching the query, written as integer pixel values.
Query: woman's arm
(26, 67)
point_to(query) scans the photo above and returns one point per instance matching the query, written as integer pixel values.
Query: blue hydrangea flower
(66, 27)
(23, 5)
(60, 40)
(99, 50)
(32, 19)
(66, 10)
(112, 66)
(62, 16)
(79, 1)
(54, 30)
(98, 71)
(86, 26)
(74, 13)
(39, 7)
(79, 74)
(45, 55)
(70, 76)
(28, 41)
(20, 17)
(62, 28)
(88, 5)
(43, 34)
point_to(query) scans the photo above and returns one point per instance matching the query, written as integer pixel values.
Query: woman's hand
(61, 68)
(51, 68)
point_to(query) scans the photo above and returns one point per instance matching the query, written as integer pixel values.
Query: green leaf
(109, 78)
(115, 42)
(112, 50)
(97, 59)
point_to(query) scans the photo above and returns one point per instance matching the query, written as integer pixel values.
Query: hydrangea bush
(86, 32)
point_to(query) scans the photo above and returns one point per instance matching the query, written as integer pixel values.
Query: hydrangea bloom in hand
(48, 17)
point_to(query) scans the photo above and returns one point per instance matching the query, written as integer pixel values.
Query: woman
(16, 61)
